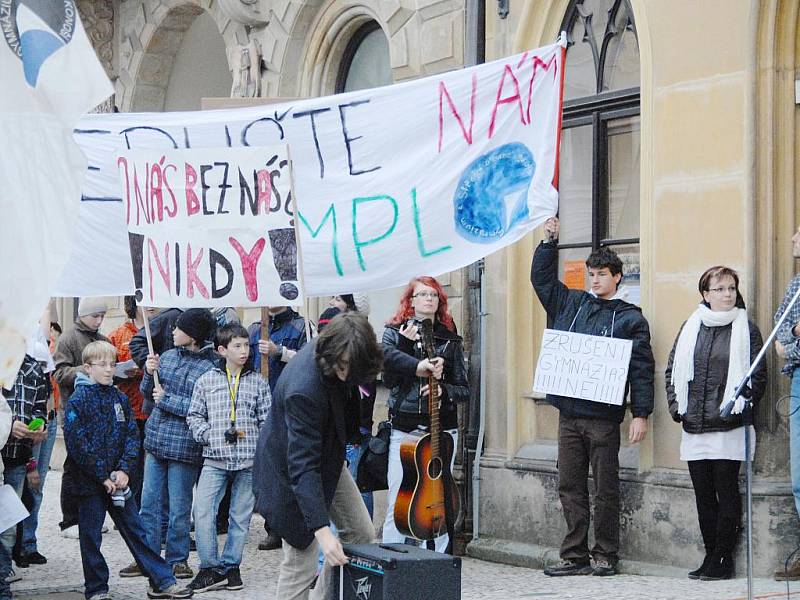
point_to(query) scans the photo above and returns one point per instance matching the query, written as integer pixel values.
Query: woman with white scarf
(711, 355)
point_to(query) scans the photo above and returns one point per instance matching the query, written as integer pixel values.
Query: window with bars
(600, 143)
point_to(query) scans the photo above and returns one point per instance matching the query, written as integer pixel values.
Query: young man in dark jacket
(588, 432)
(300, 478)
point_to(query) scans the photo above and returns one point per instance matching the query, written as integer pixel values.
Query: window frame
(597, 110)
(350, 52)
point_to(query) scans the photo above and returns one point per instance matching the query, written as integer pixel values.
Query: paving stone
(62, 578)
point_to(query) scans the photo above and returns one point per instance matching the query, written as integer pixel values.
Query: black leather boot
(720, 567)
(701, 569)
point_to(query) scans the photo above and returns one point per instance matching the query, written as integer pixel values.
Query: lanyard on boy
(233, 391)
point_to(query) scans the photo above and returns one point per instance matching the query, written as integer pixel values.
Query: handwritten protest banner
(583, 366)
(421, 177)
(210, 227)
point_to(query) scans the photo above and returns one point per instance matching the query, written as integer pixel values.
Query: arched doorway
(183, 58)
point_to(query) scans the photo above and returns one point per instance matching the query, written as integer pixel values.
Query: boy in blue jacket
(102, 443)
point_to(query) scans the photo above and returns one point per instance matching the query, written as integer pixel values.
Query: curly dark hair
(349, 339)
(603, 258)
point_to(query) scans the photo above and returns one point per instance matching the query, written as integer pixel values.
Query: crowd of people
(183, 430)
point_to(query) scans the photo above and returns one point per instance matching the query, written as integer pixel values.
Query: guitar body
(429, 502)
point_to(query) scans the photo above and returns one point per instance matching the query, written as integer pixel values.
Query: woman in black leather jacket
(711, 355)
(405, 373)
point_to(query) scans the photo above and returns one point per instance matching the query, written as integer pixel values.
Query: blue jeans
(794, 437)
(91, 514)
(42, 453)
(5, 570)
(353, 457)
(179, 478)
(210, 489)
(15, 477)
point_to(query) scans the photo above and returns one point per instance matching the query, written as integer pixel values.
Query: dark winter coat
(581, 312)
(401, 357)
(301, 449)
(100, 434)
(287, 329)
(706, 390)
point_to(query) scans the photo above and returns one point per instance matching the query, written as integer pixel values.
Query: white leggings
(390, 533)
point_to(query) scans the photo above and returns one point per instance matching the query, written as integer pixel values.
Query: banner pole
(149, 336)
(264, 335)
(300, 269)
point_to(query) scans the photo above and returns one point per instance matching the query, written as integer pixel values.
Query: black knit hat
(326, 317)
(198, 323)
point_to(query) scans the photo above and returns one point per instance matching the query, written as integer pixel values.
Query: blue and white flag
(50, 76)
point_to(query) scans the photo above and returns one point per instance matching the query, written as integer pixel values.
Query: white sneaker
(13, 576)
(70, 533)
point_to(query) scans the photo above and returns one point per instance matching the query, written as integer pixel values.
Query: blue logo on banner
(36, 29)
(487, 184)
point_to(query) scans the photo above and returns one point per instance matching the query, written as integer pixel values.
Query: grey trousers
(349, 513)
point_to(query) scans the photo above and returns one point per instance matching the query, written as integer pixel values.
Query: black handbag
(373, 468)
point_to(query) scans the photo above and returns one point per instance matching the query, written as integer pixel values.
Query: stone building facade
(678, 149)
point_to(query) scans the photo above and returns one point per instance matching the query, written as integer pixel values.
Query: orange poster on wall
(575, 274)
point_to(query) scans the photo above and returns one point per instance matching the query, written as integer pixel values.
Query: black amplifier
(396, 572)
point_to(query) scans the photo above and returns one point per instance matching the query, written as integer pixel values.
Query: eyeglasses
(425, 295)
(722, 290)
(104, 365)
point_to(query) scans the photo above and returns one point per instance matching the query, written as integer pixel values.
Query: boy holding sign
(588, 431)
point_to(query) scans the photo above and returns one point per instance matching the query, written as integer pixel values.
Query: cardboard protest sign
(421, 177)
(211, 227)
(583, 366)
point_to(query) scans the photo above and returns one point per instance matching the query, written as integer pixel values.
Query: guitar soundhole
(435, 468)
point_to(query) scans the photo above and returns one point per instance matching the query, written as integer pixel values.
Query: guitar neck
(433, 410)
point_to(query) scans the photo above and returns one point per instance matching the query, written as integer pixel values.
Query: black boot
(720, 567)
(702, 568)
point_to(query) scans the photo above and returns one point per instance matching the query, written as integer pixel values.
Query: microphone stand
(747, 418)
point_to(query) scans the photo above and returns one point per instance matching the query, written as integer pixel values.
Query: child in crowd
(102, 444)
(172, 460)
(229, 405)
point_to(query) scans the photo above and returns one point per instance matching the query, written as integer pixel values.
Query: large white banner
(205, 228)
(421, 177)
(577, 365)
(49, 76)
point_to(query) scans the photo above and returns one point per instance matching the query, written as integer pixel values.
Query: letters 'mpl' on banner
(208, 228)
(417, 178)
(583, 366)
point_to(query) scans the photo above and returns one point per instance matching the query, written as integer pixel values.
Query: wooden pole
(300, 271)
(264, 334)
(149, 343)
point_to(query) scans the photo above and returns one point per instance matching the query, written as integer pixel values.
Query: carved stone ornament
(249, 12)
(247, 70)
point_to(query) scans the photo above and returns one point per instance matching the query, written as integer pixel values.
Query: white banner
(50, 76)
(206, 227)
(421, 177)
(583, 366)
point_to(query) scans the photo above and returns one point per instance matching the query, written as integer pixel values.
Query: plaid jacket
(785, 336)
(28, 400)
(167, 436)
(210, 415)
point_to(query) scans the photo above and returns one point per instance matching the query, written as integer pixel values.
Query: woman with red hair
(405, 374)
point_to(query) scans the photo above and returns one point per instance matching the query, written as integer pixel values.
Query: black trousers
(719, 505)
(581, 443)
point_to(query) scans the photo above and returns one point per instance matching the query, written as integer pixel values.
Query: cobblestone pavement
(62, 578)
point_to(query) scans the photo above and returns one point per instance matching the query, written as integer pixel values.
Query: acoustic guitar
(428, 503)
